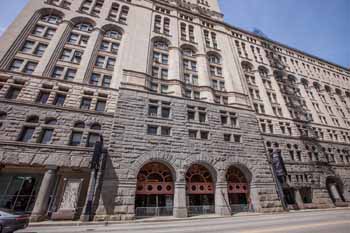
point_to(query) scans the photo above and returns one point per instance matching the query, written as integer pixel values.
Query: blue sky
(319, 27)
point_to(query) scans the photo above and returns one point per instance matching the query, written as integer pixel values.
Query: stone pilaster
(222, 205)
(56, 44)
(180, 208)
(174, 70)
(204, 78)
(298, 199)
(42, 200)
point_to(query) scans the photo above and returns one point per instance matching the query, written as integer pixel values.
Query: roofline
(284, 45)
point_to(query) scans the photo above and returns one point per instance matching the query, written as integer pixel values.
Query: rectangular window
(13, 92)
(40, 49)
(28, 47)
(227, 137)
(59, 100)
(152, 130)
(204, 135)
(165, 131)
(46, 136)
(16, 65)
(92, 139)
(192, 134)
(43, 97)
(153, 110)
(70, 74)
(30, 67)
(27, 134)
(106, 81)
(57, 72)
(94, 79)
(85, 103)
(101, 105)
(76, 138)
(237, 138)
(165, 112)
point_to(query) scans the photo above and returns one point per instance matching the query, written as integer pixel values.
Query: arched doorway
(154, 191)
(238, 190)
(200, 191)
(335, 189)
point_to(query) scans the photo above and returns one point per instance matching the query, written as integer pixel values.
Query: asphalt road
(334, 221)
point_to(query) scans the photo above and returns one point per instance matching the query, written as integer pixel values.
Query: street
(334, 221)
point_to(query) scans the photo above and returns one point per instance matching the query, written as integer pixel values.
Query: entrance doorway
(200, 191)
(238, 191)
(18, 191)
(154, 191)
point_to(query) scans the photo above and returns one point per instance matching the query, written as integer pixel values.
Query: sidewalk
(170, 218)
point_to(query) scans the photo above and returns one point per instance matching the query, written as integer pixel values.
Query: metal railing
(148, 212)
(201, 210)
(241, 208)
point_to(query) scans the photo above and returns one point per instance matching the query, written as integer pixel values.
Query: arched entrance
(335, 189)
(238, 191)
(200, 191)
(154, 191)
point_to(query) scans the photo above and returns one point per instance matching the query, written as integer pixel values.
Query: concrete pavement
(334, 221)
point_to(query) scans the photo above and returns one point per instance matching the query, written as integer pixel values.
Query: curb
(160, 220)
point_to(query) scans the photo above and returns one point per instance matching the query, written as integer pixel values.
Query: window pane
(92, 139)
(59, 100)
(43, 97)
(76, 138)
(46, 136)
(100, 105)
(85, 103)
(27, 134)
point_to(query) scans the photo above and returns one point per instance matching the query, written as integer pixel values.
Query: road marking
(281, 229)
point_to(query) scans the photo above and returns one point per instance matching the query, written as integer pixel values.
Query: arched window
(247, 67)
(214, 59)
(114, 34)
(54, 19)
(86, 27)
(263, 71)
(79, 124)
(95, 126)
(159, 44)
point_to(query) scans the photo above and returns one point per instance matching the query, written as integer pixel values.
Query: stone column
(222, 205)
(298, 199)
(255, 198)
(335, 193)
(180, 208)
(42, 200)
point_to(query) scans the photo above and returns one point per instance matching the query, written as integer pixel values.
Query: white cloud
(2, 30)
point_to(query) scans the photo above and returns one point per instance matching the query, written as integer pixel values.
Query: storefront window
(18, 192)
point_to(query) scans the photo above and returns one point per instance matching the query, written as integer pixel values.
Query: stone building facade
(189, 109)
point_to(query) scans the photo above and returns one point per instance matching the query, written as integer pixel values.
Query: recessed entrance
(238, 191)
(154, 191)
(200, 191)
